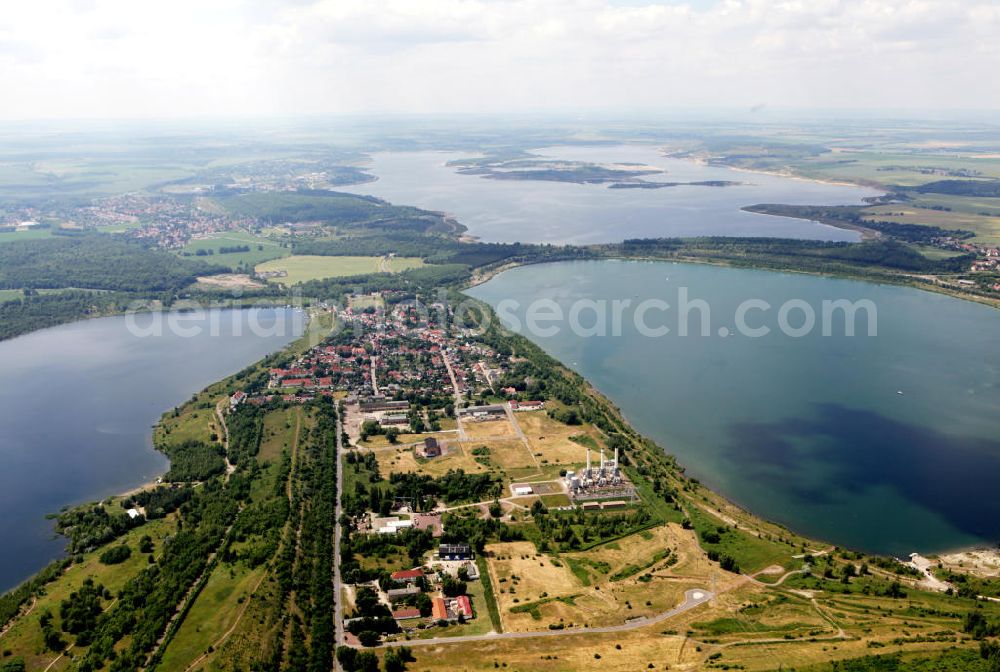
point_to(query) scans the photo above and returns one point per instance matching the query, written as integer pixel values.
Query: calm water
(555, 212)
(807, 431)
(77, 404)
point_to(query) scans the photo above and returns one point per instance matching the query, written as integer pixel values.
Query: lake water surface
(558, 212)
(811, 431)
(77, 406)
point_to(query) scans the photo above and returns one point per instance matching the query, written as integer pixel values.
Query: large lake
(558, 212)
(887, 443)
(78, 402)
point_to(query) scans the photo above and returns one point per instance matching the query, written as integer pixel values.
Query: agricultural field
(119, 172)
(30, 234)
(11, 294)
(261, 249)
(904, 168)
(302, 268)
(364, 301)
(979, 215)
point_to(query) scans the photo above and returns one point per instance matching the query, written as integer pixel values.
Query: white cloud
(121, 58)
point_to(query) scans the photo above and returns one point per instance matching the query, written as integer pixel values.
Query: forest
(807, 255)
(332, 208)
(96, 261)
(37, 311)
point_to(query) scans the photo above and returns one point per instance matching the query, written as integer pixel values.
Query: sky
(224, 58)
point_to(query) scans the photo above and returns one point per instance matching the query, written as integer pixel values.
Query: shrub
(116, 555)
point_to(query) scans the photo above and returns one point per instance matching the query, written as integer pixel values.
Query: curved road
(692, 598)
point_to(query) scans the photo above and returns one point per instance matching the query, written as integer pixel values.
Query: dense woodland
(857, 258)
(96, 261)
(37, 311)
(350, 211)
(854, 216)
(975, 188)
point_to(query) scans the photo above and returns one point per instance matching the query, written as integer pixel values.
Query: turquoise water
(887, 443)
(558, 212)
(77, 404)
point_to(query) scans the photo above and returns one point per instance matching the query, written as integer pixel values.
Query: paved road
(338, 612)
(692, 598)
(458, 394)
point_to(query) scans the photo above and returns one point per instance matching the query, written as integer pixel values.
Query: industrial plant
(603, 482)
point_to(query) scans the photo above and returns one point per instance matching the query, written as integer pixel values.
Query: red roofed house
(438, 611)
(296, 382)
(406, 614)
(464, 606)
(238, 397)
(407, 575)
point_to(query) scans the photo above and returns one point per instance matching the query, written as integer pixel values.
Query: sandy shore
(139, 488)
(776, 173)
(979, 561)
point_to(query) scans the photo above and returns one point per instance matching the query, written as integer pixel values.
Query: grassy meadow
(302, 268)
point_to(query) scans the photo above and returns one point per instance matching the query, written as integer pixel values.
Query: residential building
(463, 606)
(431, 448)
(406, 614)
(407, 575)
(396, 594)
(455, 552)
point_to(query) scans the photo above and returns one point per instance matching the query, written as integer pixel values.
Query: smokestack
(588, 462)
(616, 458)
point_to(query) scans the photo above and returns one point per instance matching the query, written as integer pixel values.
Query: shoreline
(148, 482)
(788, 174)
(727, 499)
(489, 273)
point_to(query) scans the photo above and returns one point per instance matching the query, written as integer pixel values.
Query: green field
(751, 552)
(902, 168)
(110, 174)
(31, 234)
(219, 607)
(979, 215)
(301, 268)
(11, 294)
(261, 249)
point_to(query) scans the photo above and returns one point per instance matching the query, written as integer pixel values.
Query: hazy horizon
(111, 59)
